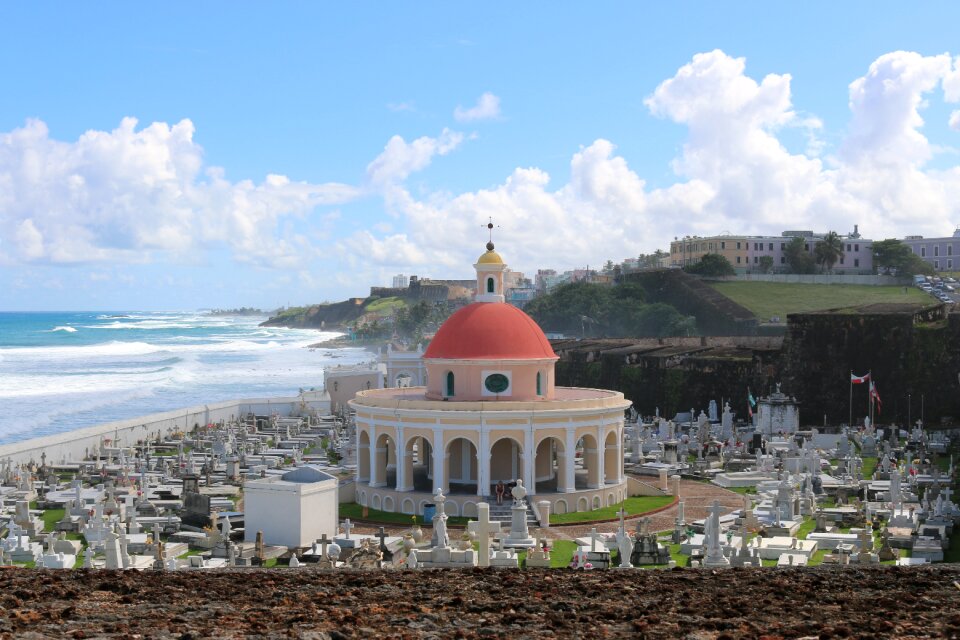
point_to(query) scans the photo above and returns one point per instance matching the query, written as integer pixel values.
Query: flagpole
(870, 396)
(850, 419)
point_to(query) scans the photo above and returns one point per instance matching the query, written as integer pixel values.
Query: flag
(750, 399)
(858, 379)
(875, 396)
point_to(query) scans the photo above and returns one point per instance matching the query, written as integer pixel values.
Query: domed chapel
(490, 412)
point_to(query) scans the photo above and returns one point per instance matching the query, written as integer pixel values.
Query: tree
(711, 264)
(893, 256)
(608, 267)
(828, 251)
(798, 260)
(766, 264)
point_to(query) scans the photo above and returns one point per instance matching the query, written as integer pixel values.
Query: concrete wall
(72, 445)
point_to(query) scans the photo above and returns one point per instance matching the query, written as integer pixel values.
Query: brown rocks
(902, 602)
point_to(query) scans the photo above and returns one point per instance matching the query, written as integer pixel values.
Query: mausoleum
(489, 412)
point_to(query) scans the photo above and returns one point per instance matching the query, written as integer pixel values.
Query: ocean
(64, 371)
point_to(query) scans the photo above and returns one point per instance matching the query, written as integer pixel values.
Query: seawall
(73, 445)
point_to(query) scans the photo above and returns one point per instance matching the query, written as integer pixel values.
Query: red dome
(490, 331)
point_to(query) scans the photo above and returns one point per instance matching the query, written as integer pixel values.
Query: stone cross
(482, 527)
(324, 542)
(594, 537)
(622, 513)
(347, 527)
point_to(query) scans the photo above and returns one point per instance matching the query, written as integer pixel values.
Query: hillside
(776, 299)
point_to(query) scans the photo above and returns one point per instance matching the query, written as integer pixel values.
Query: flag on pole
(875, 396)
(859, 379)
(751, 403)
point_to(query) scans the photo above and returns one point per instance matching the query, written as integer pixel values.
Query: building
(343, 382)
(746, 252)
(777, 413)
(943, 254)
(400, 281)
(292, 509)
(490, 412)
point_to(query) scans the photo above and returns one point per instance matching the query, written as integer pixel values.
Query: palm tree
(828, 250)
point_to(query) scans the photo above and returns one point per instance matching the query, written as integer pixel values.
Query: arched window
(449, 383)
(489, 285)
(539, 392)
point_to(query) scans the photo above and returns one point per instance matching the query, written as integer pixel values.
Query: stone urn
(417, 533)
(408, 543)
(465, 542)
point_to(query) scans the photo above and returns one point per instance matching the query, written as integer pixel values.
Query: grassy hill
(769, 299)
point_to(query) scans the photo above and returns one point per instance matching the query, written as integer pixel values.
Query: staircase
(502, 513)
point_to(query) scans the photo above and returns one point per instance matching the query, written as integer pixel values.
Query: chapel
(489, 412)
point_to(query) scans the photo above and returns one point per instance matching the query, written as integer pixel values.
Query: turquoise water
(64, 371)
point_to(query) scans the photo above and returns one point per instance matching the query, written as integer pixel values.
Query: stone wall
(915, 351)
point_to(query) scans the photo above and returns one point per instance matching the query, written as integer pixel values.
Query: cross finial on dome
(489, 227)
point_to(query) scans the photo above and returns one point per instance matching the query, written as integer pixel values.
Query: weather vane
(489, 227)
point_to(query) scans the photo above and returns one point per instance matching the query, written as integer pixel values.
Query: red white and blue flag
(874, 396)
(859, 379)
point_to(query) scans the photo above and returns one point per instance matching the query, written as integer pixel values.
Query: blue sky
(289, 153)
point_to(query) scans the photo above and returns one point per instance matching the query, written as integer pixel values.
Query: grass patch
(743, 490)
(354, 511)
(817, 558)
(769, 299)
(633, 506)
(806, 529)
(51, 517)
(681, 559)
(561, 553)
(869, 466)
(385, 305)
(191, 552)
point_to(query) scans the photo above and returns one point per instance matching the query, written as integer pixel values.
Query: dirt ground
(879, 602)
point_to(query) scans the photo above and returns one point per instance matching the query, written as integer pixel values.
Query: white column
(622, 475)
(601, 454)
(570, 454)
(439, 462)
(402, 479)
(529, 472)
(483, 461)
(374, 476)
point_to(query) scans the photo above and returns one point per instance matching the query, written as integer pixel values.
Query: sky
(183, 155)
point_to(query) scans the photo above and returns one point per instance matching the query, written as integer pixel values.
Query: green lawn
(768, 299)
(869, 466)
(561, 553)
(51, 517)
(385, 305)
(354, 511)
(633, 506)
(806, 529)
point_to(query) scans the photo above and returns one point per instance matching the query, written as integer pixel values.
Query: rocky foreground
(304, 603)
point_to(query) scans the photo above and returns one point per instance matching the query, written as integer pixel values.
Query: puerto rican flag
(859, 379)
(875, 396)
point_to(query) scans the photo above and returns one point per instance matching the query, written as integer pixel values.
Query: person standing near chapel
(499, 491)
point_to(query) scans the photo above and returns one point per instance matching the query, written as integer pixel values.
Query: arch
(407, 506)
(549, 464)
(596, 502)
(449, 386)
(418, 463)
(560, 506)
(451, 508)
(384, 472)
(469, 510)
(376, 502)
(583, 505)
(612, 457)
(462, 467)
(420, 507)
(588, 476)
(491, 287)
(363, 498)
(506, 461)
(611, 500)
(388, 504)
(363, 457)
(403, 380)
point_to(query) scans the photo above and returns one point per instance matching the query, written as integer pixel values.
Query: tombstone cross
(324, 542)
(482, 527)
(347, 527)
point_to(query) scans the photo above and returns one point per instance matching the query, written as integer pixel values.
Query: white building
(293, 509)
(777, 413)
(401, 281)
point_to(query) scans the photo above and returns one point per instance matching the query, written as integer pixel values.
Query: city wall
(72, 445)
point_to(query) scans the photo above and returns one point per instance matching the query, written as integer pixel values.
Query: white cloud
(487, 108)
(734, 175)
(955, 120)
(128, 195)
(401, 158)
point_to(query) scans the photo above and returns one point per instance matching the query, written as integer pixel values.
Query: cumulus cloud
(487, 108)
(130, 194)
(733, 174)
(955, 120)
(401, 158)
